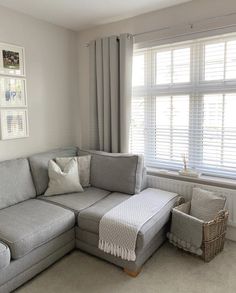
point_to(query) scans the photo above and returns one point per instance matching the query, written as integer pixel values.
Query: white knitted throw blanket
(118, 228)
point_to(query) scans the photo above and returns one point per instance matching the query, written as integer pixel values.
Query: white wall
(173, 17)
(51, 79)
(58, 114)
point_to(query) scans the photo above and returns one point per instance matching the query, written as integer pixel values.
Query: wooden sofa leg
(131, 273)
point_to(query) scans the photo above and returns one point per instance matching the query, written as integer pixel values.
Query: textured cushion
(83, 165)
(16, 182)
(64, 180)
(5, 256)
(89, 219)
(205, 204)
(30, 224)
(78, 201)
(39, 166)
(116, 172)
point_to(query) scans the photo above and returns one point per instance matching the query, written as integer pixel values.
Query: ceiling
(82, 14)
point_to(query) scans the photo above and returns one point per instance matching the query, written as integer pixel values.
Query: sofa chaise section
(124, 176)
(89, 219)
(150, 237)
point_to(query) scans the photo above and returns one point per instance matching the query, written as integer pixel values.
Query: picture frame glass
(11, 60)
(14, 123)
(12, 92)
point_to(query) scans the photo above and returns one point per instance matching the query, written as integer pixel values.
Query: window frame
(196, 88)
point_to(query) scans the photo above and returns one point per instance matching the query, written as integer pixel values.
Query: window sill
(207, 180)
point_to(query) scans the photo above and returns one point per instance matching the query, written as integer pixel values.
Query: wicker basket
(213, 233)
(214, 236)
(180, 199)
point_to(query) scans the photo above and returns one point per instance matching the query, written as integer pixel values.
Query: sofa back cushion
(115, 172)
(39, 166)
(16, 182)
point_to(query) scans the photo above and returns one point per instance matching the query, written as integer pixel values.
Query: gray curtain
(110, 92)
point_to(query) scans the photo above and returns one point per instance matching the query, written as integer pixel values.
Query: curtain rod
(191, 25)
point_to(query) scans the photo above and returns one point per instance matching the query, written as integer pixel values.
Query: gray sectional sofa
(36, 231)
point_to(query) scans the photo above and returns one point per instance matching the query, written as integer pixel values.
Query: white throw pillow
(63, 180)
(205, 204)
(83, 167)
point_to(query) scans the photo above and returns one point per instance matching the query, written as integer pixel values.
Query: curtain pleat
(114, 94)
(100, 91)
(126, 53)
(93, 96)
(106, 97)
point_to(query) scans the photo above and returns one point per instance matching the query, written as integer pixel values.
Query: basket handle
(222, 214)
(180, 200)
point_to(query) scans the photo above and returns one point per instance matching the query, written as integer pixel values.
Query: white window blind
(184, 102)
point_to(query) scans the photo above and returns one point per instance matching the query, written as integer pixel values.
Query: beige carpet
(169, 270)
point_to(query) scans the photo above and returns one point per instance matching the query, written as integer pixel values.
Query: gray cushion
(16, 182)
(31, 223)
(78, 201)
(89, 219)
(205, 204)
(5, 256)
(39, 166)
(116, 172)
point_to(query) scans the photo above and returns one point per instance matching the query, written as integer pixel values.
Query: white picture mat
(14, 123)
(13, 92)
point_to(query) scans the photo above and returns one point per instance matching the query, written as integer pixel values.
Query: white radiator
(184, 188)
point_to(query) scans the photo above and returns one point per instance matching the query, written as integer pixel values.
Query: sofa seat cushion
(5, 256)
(30, 224)
(88, 220)
(78, 201)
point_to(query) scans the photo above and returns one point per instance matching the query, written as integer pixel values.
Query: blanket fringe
(116, 250)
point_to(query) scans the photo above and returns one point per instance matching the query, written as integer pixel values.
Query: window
(184, 102)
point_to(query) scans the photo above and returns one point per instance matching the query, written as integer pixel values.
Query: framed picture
(12, 60)
(12, 92)
(14, 123)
